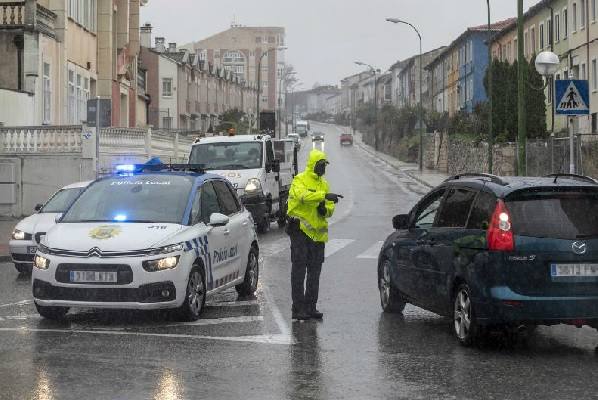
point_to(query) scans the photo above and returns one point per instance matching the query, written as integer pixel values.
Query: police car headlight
(41, 262)
(161, 264)
(173, 248)
(253, 185)
(20, 235)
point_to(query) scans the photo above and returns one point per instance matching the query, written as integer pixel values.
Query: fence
(37, 161)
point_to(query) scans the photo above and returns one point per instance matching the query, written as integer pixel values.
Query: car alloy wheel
(195, 293)
(465, 324)
(385, 287)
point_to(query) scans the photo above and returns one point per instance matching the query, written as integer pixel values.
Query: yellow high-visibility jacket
(308, 190)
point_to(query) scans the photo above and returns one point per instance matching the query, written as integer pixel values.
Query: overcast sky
(325, 37)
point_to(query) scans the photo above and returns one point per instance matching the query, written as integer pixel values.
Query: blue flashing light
(126, 168)
(120, 217)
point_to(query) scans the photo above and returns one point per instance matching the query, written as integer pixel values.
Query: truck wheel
(263, 226)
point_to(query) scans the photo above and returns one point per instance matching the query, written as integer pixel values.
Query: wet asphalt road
(249, 348)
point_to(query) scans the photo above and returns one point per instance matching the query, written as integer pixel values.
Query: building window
(79, 91)
(83, 99)
(47, 94)
(83, 12)
(557, 27)
(271, 39)
(565, 23)
(574, 22)
(594, 75)
(593, 10)
(166, 124)
(583, 14)
(533, 41)
(258, 39)
(167, 87)
(549, 33)
(72, 105)
(583, 72)
(542, 36)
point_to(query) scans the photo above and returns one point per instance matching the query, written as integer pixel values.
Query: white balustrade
(40, 139)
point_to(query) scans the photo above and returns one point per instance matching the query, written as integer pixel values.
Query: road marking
(283, 327)
(373, 252)
(336, 245)
(219, 321)
(234, 304)
(264, 339)
(18, 303)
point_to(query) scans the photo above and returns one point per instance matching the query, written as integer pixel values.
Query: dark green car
(492, 252)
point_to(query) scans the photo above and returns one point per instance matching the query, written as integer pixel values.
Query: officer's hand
(322, 209)
(333, 197)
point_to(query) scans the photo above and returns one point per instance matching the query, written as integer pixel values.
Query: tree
(234, 118)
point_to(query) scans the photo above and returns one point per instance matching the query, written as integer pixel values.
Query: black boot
(299, 314)
(315, 314)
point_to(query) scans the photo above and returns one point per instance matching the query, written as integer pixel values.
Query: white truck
(261, 170)
(302, 128)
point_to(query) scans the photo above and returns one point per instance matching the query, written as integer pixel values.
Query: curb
(409, 174)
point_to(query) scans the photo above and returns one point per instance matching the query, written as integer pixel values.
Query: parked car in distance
(493, 252)
(346, 139)
(29, 231)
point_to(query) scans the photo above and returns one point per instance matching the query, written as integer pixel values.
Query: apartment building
(240, 49)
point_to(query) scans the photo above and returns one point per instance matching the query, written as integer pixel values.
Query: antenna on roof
(234, 23)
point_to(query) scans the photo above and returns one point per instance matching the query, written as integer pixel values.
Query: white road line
(372, 252)
(219, 321)
(283, 327)
(335, 245)
(18, 303)
(234, 304)
(265, 339)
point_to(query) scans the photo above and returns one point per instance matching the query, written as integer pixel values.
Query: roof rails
(493, 178)
(137, 168)
(572, 176)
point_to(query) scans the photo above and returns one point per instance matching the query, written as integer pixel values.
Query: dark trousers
(307, 258)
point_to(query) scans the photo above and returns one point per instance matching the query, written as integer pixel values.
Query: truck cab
(262, 180)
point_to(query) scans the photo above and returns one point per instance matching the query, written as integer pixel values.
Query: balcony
(12, 15)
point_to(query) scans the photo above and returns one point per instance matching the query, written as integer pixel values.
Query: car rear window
(571, 214)
(455, 209)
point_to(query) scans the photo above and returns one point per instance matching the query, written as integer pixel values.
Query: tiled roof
(497, 26)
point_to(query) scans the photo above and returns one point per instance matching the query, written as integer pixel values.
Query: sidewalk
(6, 227)
(429, 178)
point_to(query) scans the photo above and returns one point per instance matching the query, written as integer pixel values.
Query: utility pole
(521, 112)
(490, 93)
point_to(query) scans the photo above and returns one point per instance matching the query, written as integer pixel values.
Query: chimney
(172, 47)
(160, 47)
(146, 35)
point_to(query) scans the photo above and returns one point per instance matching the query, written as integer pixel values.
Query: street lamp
(259, 82)
(373, 70)
(421, 108)
(283, 76)
(490, 93)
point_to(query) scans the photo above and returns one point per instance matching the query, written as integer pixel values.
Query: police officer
(310, 205)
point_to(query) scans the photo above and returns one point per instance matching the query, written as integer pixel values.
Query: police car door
(271, 177)
(218, 238)
(238, 239)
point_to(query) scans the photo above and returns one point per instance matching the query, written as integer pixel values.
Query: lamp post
(521, 117)
(490, 93)
(421, 108)
(283, 76)
(373, 70)
(259, 82)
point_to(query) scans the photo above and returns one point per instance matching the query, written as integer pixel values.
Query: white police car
(28, 232)
(155, 237)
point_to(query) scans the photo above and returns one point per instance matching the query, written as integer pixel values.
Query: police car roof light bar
(138, 168)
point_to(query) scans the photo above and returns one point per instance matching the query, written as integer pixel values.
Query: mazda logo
(579, 248)
(95, 252)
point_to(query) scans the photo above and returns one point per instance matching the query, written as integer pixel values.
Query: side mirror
(401, 221)
(38, 207)
(217, 219)
(276, 166)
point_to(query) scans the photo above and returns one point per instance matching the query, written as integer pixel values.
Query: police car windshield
(61, 201)
(228, 156)
(139, 198)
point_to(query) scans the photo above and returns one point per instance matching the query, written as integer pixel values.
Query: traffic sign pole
(571, 146)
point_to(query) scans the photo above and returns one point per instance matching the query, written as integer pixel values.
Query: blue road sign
(572, 97)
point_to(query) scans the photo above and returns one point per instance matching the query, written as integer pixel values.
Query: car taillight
(500, 232)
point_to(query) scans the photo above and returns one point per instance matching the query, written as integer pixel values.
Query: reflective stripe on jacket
(308, 190)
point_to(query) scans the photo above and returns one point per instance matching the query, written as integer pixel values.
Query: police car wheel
(23, 268)
(53, 313)
(195, 296)
(252, 274)
(390, 298)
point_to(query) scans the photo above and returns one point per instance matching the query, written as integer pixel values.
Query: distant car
(346, 139)
(492, 252)
(28, 232)
(317, 137)
(147, 239)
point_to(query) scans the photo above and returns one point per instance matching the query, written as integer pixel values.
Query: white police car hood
(37, 223)
(111, 237)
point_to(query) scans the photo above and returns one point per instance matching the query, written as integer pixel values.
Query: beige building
(239, 50)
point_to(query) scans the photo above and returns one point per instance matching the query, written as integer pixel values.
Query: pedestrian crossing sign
(572, 97)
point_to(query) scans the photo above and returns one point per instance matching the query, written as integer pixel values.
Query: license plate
(31, 249)
(93, 277)
(573, 270)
